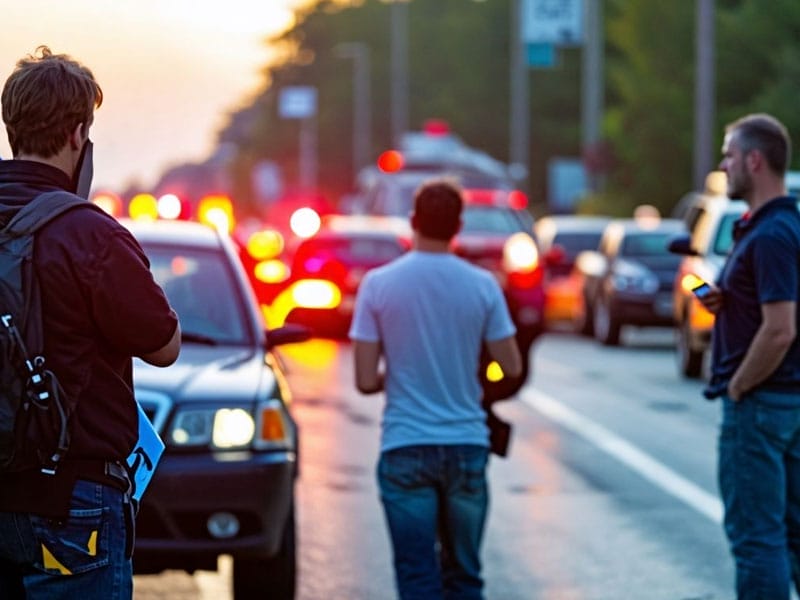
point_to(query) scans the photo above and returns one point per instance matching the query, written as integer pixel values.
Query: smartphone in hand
(701, 290)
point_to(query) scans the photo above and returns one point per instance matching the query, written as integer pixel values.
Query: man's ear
(754, 160)
(76, 138)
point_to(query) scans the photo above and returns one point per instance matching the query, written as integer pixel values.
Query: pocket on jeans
(777, 423)
(79, 543)
(473, 468)
(400, 467)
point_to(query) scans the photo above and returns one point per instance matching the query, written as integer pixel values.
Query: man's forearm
(762, 358)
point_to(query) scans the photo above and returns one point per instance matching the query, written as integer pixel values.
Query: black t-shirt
(762, 268)
(100, 307)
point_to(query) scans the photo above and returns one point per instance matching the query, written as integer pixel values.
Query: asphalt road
(608, 493)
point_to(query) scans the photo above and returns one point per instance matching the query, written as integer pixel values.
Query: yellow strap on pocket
(50, 562)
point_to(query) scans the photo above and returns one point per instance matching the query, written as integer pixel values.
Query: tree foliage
(459, 71)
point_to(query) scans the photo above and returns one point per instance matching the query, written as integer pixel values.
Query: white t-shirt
(431, 312)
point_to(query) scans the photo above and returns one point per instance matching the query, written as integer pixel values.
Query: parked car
(629, 279)
(225, 484)
(327, 268)
(561, 238)
(704, 250)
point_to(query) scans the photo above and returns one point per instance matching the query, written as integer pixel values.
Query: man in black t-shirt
(756, 362)
(70, 534)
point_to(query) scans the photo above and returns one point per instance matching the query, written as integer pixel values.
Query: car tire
(606, 325)
(274, 577)
(690, 361)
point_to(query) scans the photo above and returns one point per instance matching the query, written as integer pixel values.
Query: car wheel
(274, 577)
(606, 325)
(690, 361)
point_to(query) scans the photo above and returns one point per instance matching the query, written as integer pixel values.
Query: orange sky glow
(170, 71)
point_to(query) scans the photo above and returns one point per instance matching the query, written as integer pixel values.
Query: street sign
(541, 55)
(558, 22)
(298, 102)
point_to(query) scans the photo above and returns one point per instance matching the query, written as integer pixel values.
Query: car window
(202, 290)
(574, 242)
(490, 219)
(645, 244)
(724, 241)
(351, 250)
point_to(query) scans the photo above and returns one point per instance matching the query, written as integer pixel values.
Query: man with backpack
(66, 520)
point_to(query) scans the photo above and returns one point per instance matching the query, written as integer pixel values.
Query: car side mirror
(681, 244)
(290, 333)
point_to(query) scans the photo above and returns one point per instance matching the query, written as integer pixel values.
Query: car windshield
(355, 251)
(646, 244)
(202, 290)
(724, 241)
(490, 219)
(574, 242)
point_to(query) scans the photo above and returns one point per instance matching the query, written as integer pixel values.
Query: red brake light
(390, 161)
(436, 127)
(518, 200)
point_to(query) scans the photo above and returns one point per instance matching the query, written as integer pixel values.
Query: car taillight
(520, 254)
(265, 244)
(316, 293)
(521, 261)
(271, 271)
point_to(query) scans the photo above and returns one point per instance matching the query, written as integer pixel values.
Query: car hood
(204, 373)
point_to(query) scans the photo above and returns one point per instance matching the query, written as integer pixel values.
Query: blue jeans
(759, 480)
(436, 494)
(82, 557)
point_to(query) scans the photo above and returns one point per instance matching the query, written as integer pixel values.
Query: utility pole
(519, 121)
(362, 105)
(704, 114)
(592, 80)
(399, 57)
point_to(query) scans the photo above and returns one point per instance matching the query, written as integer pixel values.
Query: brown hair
(46, 97)
(437, 209)
(766, 134)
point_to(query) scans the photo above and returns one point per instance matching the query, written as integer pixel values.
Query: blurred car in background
(225, 483)
(629, 279)
(704, 250)
(561, 238)
(327, 268)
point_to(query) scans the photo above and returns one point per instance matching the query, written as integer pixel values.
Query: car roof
(648, 225)
(364, 226)
(184, 233)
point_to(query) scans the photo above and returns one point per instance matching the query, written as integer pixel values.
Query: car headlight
(232, 428)
(629, 277)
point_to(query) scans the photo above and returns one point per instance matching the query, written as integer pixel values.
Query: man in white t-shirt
(427, 315)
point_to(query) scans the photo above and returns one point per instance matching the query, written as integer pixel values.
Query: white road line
(628, 454)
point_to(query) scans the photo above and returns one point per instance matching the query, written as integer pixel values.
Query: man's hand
(712, 300)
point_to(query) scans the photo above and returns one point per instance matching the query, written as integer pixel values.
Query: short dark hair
(766, 134)
(437, 209)
(46, 97)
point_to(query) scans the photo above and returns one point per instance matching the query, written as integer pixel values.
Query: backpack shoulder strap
(41, 210)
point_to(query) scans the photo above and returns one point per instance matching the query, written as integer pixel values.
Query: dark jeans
(759, 479)
(82, 557)
(436, 494)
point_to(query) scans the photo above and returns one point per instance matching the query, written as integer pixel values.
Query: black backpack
(34, 414)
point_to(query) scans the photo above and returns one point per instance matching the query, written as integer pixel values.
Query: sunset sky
(170, 70)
